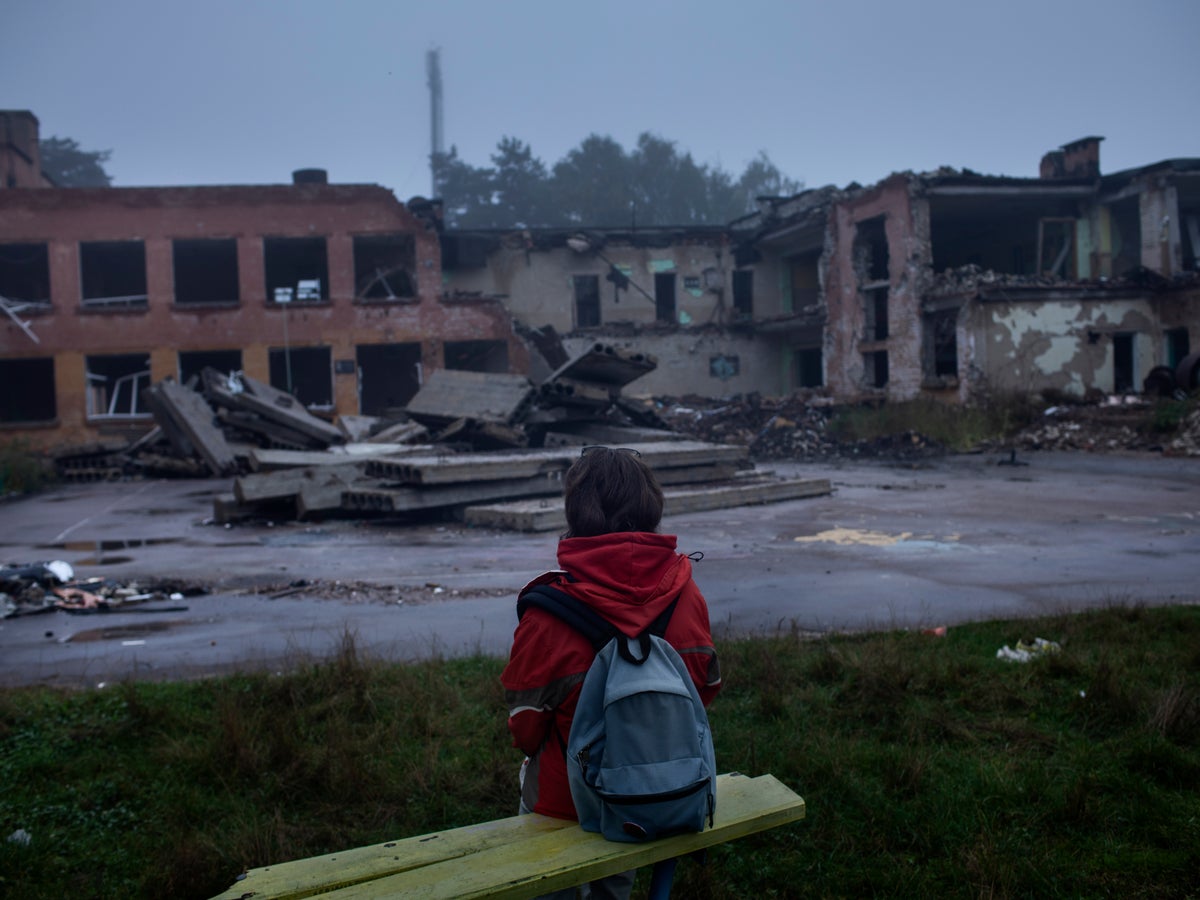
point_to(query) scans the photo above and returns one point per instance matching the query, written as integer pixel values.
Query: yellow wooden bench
(518, 857)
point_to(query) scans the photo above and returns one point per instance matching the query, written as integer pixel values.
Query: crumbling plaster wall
(1158, 209)
(538, 285)
(685, 361)
(906, 226)
(156, 216)
(1063, 345)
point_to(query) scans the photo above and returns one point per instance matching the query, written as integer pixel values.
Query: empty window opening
(34, 402)
(206, 271)
(941, 336)
(299, 265)
(1125, 236)
(810, 369)
(743, 294)
(724, 367)
(1123, 363)
(384, 267)
(875, 369)
(871, 259)
(1056, 248)
(587, 300)
(193, 362)
(389, 375)
(113, 273)
(804, 281)
(304, 372)
(875, 307)
(664, 296)
(1190, 218)
(25, 273)
(116, 385)
(1178, 346)
(476, 356)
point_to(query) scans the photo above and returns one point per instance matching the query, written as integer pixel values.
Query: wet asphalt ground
(895, 545)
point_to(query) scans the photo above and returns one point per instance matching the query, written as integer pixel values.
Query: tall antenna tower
(437, 146)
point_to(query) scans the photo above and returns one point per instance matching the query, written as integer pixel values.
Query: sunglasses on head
(592, 447)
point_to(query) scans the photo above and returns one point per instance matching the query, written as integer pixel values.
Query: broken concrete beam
(323, 492)
(580, 434)
(417, 499)
(357, 428)
(275, 432)
(239, 392)
(605, 364)
(264, 459)
(451, 394)
(180, 409)
(662, 457)
(570, 392)
(548, 515)
(400, 433)
(483, 435)
(266, 486)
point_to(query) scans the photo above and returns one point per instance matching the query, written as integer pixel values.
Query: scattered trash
(27, 589)
(1026, 651)
(940, 631)
(21, 837)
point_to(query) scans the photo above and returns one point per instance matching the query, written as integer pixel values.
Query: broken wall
(873, 330)
(1074, 346)
(710, 362)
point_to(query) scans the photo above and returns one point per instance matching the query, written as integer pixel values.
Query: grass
(22, 469)
(951, 425)
(929, 767)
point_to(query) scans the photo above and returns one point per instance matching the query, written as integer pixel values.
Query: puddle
(121, 632)
(101, 547)
(101, 551)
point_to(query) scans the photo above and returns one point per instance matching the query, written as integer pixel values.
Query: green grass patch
(929, 767)
(950, 425)
(22, 469)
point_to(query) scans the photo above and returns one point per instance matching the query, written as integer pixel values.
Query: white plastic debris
(1025, 650)
(60, 570)
(20, 837)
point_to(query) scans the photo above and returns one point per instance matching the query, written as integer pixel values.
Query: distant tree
(466, 191)
(599, 183)
(520, 186)
(69, 165)
(592, 184)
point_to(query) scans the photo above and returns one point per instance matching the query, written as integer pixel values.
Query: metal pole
(287, 350)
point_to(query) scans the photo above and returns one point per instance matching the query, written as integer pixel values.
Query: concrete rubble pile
(467, 440)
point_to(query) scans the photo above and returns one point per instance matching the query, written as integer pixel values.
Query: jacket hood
(629, 577)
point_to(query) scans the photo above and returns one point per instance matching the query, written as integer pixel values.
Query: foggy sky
(225, 92)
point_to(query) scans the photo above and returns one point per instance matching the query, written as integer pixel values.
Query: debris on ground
(1027, 651)
(27, 589)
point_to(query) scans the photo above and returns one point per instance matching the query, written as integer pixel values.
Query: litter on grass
(1026, 650)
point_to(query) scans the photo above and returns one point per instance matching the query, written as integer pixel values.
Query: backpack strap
(584, 619)
(593, 626)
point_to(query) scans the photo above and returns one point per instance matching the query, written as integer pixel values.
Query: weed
(22, 469)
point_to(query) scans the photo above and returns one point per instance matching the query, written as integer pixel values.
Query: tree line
(600, 183)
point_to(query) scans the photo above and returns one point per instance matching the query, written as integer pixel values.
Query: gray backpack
(640, 759)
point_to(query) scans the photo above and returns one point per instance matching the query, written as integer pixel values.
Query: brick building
(331, 291)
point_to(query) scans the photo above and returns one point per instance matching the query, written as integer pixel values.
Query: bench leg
(660, 880)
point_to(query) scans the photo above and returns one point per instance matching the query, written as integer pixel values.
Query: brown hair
(611, 490)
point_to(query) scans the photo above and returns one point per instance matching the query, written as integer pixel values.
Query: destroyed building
(948, 284)
(331, 292)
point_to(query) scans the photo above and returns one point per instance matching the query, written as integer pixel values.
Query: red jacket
(629, 578)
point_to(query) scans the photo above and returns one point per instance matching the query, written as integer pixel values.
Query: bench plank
(517, 857)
